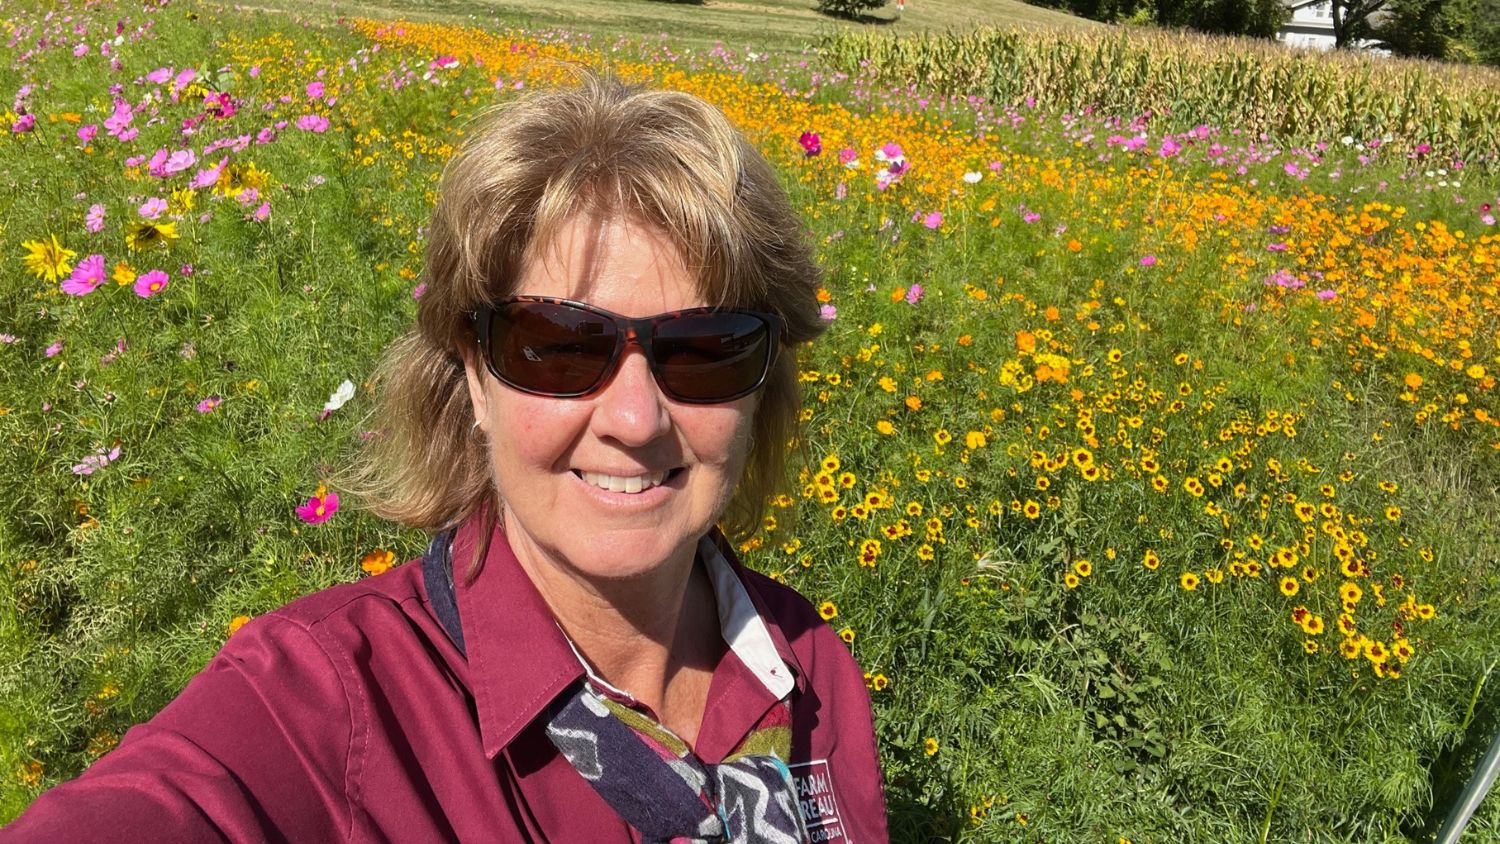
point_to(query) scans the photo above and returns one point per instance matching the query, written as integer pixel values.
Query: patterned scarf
(656, 783)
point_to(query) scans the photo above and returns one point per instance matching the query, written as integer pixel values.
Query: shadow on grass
(1453, 768)
(914, 819)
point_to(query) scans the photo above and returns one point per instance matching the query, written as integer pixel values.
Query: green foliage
(849, 8)
(1475, 25)
(1414, 28)
(1254, 18)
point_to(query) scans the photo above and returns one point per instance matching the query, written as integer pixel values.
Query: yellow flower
(913, 403)
(974, 440)
(237, 622)
(1083, 567)
(1189, 581)
(46, 259)
(146, 234)
(847, 634)
(827, 611)
(378, 561)
(879, 682)
(122, 274)
(942, 437)
(930, 746)
(885, 428)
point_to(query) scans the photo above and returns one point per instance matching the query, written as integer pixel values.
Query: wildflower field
(1148, 469)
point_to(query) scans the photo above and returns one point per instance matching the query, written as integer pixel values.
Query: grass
(777, 26)
(1061, 376)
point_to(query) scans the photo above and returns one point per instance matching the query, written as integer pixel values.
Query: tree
(1475, 25)
(1414, 28)
(848, 8)
(1353, 21)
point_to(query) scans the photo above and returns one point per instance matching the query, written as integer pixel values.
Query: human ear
(475, 376)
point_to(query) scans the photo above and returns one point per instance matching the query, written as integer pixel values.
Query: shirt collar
(520, 660)
(741, 623)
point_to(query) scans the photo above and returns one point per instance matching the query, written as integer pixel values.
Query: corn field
(1233, 83)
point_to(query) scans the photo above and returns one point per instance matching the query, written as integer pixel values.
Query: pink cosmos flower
(1148, 260)
(152, 208)
(88, 275)
(53, 349)
(94, 220)
(24, 123)
(314, 90)
(914, 294)
(96, 461)
(109, 357)
(180, 161)
(208, 176)
(151, 283)
(263, 213)
(320, 507)
(828, 313)
(416, 292)
(1169, 147)
(210, 404)
(933, 219)
(116, 123)
(158, 163)
(159, 76)
(315, 123)
(811, 143)
(1328, 295)
(86, 133)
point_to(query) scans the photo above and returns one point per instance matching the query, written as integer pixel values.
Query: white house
(1311, 26)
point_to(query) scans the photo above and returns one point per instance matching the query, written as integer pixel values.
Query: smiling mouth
(628, 484)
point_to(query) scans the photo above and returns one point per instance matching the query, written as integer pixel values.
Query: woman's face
(553, 459)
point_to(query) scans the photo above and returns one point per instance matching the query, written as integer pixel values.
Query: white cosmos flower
(340, 397)
(973, 177)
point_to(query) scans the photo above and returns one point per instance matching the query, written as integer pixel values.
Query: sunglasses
(566, 349)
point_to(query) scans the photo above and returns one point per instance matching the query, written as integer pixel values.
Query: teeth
(629, 485)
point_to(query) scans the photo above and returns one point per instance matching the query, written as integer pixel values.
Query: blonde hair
(526, 168)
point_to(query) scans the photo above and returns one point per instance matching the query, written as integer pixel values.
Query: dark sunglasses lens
(712, 356)
(549, 348)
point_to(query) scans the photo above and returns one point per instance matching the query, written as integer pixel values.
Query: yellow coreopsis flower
(145, 234)
(47, 258)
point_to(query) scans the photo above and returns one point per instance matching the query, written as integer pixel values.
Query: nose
(631, 408)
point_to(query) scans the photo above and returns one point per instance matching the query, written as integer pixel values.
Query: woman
(602, 371)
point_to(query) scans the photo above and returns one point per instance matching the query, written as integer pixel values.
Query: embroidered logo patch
(820, 811)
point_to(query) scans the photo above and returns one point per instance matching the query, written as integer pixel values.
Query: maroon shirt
(351, 715)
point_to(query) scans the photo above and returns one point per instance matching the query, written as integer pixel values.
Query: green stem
(1265, 826)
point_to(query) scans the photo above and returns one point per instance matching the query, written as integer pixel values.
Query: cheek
(529, 435)
(722, 436)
